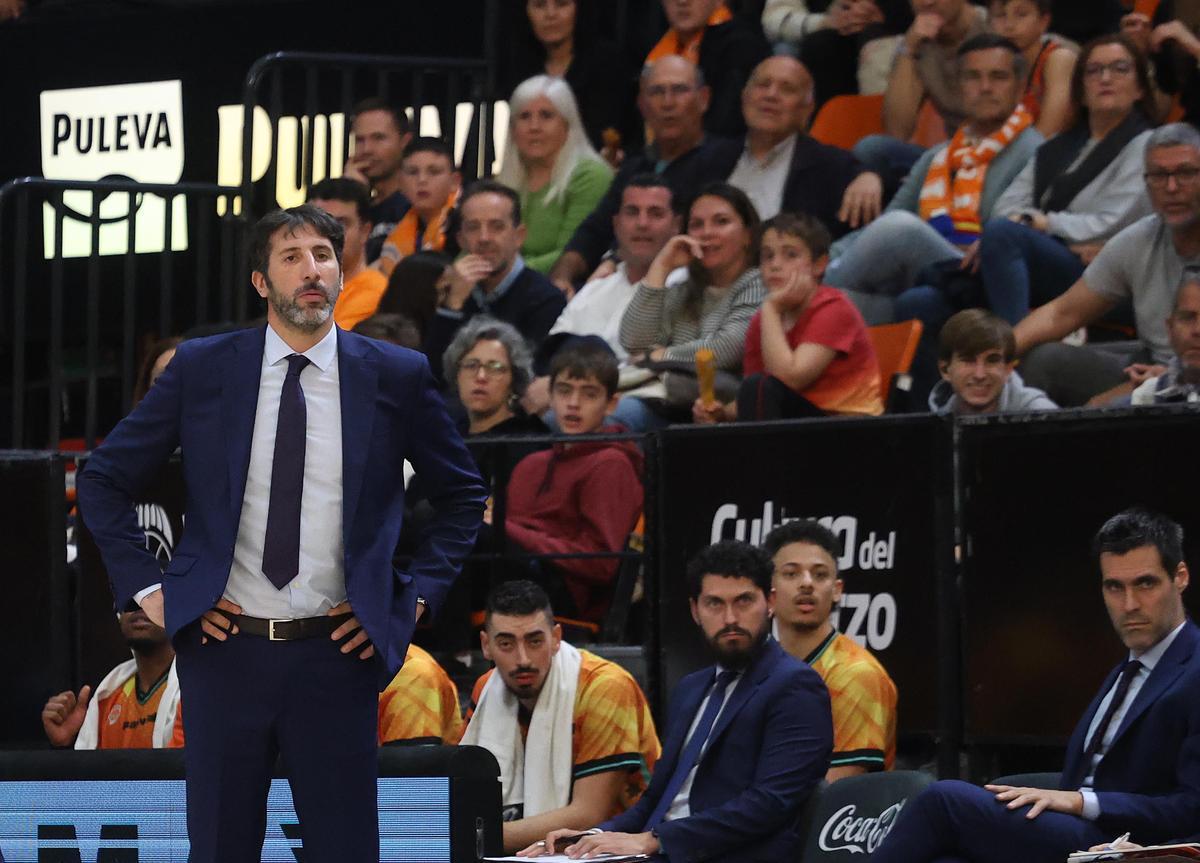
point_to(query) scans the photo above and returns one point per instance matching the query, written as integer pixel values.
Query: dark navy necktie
(281, 548)
(695, 746)
(1132, 667)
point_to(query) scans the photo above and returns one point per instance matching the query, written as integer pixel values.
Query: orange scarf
(670, 45)
(954, 183)
(402, 241)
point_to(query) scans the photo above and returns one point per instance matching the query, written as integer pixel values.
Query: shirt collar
(321, 355)
(484, 299)
(1150, 658)
(781, 151)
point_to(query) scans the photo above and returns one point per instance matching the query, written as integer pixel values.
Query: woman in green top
(552, 165)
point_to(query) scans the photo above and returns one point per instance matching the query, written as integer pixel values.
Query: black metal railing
(89, 272)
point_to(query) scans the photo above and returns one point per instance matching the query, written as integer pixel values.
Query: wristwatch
(422, 602)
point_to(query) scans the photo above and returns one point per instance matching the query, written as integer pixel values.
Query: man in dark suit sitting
(747, 739)
(1133, 763)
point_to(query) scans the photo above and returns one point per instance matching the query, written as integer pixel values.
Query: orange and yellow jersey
(420, 705)
(127, 716)
(612, 730)
(863, 698)
(359, 298)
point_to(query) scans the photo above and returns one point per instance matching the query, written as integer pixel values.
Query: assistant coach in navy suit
(747, 739)
(285, 610)
(1133, 763)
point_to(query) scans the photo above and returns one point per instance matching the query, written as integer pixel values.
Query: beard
(737, 658)
(144, 646)
(306, 320)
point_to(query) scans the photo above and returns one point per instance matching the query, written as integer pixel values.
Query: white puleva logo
(119, 132)
(845, 832)
(156, 524)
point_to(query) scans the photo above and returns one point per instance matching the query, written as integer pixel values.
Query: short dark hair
(391, 327)
(374, 103)
(429, 145)
(1043, 6)
(803, 530)
(492, 187)
(293, 219)
(345, 190)
(805, 228)
(988, 41)
(1141, 69)
(972, 331)
(518, 598)
(648, 180)
(1139, 528)
(584, 358)
(732, 559)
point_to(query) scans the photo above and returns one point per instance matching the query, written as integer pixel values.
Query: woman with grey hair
(551, 164)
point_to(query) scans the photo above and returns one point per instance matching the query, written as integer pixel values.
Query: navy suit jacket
(205, 402)
(1149, 780)
(768, 750)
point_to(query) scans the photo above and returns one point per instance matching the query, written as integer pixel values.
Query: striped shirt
(656, 316)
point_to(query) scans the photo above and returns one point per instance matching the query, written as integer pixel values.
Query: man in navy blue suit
(286, 613)
(747, 739)
(1133, 763)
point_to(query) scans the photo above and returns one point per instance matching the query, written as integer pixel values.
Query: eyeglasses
(1116, 67)
(1161, 179)
(658, 91)
(491, 368)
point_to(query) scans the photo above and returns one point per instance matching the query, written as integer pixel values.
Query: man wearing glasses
(1143, 264)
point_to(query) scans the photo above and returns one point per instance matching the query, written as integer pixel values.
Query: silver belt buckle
(271, 630)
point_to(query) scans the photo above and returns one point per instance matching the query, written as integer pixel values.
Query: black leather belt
(290, 630)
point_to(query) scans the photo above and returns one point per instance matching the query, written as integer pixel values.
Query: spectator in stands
(578, 498)
(491, 278)
(551, 164)
(807, 349)
(390, 327)
(725, 48)
(1143, 264)
(1081, 187)
(672, 98)
(420, 705)
(153, 365)
(414, 288)
(135, 706)
(429, 180)
(349, 202)
(806, 589)
(937, 215)
(560, 38)
(1026, 23)
(749, 737)
(380, 132)
(925, 67)
(572, 732)
(782, 167)
(1133, 762)
(977, 359)
(829, 36)
(711, 309)
(1169, 37)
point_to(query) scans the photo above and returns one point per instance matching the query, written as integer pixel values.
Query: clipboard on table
(1183, 853)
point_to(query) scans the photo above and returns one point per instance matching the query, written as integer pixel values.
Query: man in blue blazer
(747, 739)
(286, 613)
(1133, 763)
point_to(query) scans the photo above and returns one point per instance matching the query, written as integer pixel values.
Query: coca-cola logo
(845, 832)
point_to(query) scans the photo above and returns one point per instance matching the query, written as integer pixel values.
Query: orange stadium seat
(843, 121)
(895, 347)
(931, 129)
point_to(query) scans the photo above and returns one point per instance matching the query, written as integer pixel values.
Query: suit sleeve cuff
(142, 594)
(1091, 804)
(453, 314)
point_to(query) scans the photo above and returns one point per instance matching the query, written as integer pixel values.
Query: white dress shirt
(321, 582)
(597, 308)
(679, 806)
(1149, 659)
(763, 180)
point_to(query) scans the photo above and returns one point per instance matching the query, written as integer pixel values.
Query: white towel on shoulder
(164, 719)
(535, 773)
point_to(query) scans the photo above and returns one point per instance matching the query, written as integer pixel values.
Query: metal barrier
(329, 87)
(89, 271)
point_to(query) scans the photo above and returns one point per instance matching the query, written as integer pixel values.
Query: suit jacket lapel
(1073, 767)
(241, 373)
(1165, 673)
(750, 681)
(682, 719)
(358, 379)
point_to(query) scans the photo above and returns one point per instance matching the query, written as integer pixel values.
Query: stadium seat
(846, 820)
(612, 630)
(895, 347)
(931, 128)
(843, 121)
(1029, 780)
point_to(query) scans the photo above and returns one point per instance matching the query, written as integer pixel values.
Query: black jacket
(728, 54)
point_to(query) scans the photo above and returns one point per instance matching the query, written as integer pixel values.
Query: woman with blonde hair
(551, 164)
